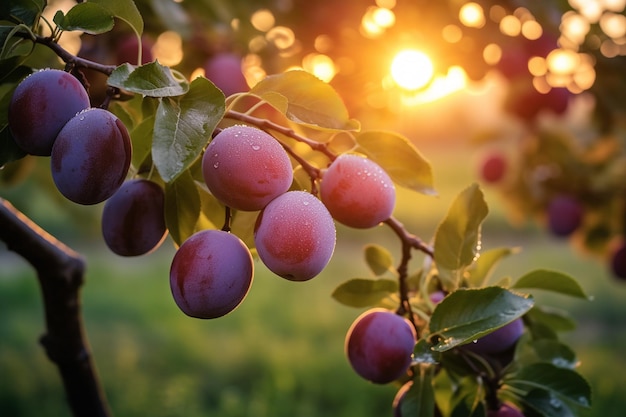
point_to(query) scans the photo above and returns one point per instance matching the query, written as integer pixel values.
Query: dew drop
(215, 165)
(306, 203)
(255, 147)
(82, 118)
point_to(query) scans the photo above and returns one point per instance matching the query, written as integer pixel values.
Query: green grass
(279, 354)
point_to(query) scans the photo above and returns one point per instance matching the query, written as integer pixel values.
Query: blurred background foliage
(540, 85)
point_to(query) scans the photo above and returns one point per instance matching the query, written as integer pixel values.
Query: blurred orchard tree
(228, 127)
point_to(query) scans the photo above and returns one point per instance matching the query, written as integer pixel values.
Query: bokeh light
(412, 69)
(168, 48)
(472, 15)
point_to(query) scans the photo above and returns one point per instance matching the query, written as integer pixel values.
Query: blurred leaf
(305, 99)
(183, 126)
(360, 292)
(22, 11)
(152, 79)
(555, 319)
(9, 151)
(547, 404)
(141, 137)
(558, 282)
(468, 314)
(399, 158)
(555, 352)
(90, 18)
(559, 382)
(469, 406)
(174, 16)
(458, 236)
(182, 207)
(13, 46)
(125, 10)
(419, 400)
(211, 208)
(378, 259)
(481, 270)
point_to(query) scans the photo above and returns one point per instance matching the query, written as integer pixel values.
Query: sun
(412, 69)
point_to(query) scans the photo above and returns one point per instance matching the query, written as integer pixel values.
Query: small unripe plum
(41, 105)
(437, 296)
(91, 156)
(211, 274)
(357, 191)
(295, 236)
(246, 168)
(493, 168)
(133, 219)
(565, 215)
(499, 340)
(224, 70)
(379, 345)
(505, 410)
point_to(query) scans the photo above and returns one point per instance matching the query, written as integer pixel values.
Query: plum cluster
(90, 154)
(247, 169)
(379, 346)
(89, 148)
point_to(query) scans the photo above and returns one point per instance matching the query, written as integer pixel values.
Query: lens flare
(412, 69)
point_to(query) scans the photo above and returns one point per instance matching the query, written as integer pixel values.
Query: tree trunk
(60, 271)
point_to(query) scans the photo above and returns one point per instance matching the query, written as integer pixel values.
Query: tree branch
(60, 271)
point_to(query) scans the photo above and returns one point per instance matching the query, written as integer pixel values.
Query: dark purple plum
(246, 168)
(505, 410)
(41, 105)
(618, 261)
(565, 215)
(379, 345)
(91, 156)
(133, 219)
(499, 340)
(211, 274)
(295, 236)
(224, 70)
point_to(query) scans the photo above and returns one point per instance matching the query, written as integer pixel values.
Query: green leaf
(482, 269)
(86, 17)
(183, 126)
(182, 207)
(547, 404)
(558, 282)
(399, 158)
(305, 100)
(468, 314)
(141, 137)
(556, 319)
(22, 11)
(152, 79)
(458, 236)
(555, 352)
(423, 353)
(378, 259)
(125, 10)
(560, 382)
(419, 400)
(359, 292)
